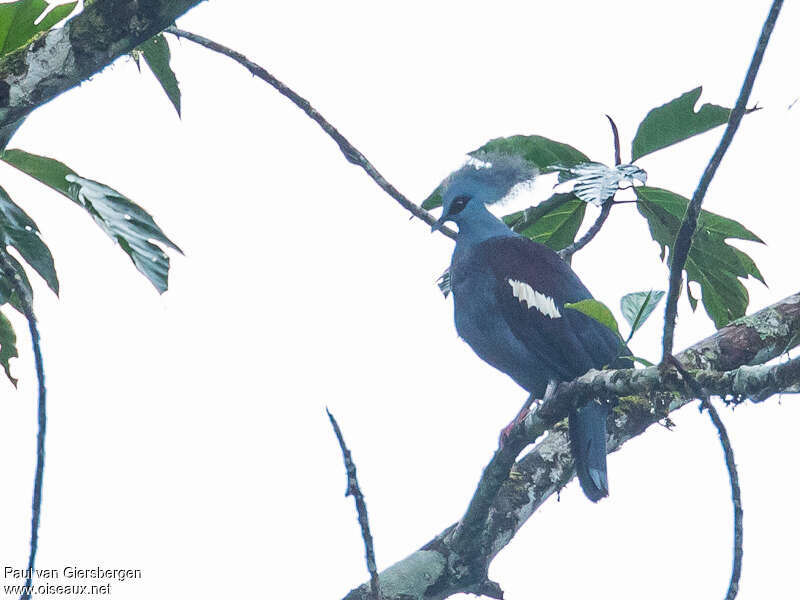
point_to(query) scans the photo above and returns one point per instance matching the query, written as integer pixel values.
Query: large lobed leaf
(122, 220)
(18, 21)
(554, 222)
(545, 154)
(676, 121)
(712, 263)
(157, 56)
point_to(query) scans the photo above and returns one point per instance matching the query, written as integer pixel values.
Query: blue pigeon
(509, 294)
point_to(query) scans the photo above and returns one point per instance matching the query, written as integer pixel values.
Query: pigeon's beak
(438, 224)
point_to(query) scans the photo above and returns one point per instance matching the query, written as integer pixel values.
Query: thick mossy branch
(62, 58)
(720, 360)
(754, 382)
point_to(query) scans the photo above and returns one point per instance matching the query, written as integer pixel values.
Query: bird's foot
(505, 433)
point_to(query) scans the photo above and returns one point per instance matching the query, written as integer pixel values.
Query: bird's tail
(587, 436)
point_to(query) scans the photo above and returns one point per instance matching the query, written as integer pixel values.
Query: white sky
(187, 435)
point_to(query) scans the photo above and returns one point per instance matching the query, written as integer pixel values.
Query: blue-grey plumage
(509, 294)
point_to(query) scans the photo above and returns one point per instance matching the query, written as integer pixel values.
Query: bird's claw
(505, 433)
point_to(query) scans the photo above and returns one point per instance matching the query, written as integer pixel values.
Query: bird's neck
(479, 225)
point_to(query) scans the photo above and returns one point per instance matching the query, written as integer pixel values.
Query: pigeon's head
(466, 191)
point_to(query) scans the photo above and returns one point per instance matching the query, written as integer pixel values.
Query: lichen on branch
(62, 58)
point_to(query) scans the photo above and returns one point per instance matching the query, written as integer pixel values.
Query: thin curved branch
(26, 304)
(733, 476)
(351, 153)
(567, 252)
(683, 241)
(736, 497)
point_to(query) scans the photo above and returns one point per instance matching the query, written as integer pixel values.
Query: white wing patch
(525, 293)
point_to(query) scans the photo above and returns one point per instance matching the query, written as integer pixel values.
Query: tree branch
(733, 476)
(683, 241)
(438, 570)
(736, 497)
(361, 508)
(60, 59)
(754, 382)
(351, 153)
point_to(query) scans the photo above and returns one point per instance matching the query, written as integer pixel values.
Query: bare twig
(733, 476)
(351, 153)
(567, 252)
(736, 497)
(683, 241)
(615, 133)
(361, 507)
(26, 305)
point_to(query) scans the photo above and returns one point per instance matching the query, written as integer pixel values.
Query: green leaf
(596, 310)
(17, 229)
(47, 170)
(122, 220)
(725, 227)
(540, 151)
(676, 121)
(8, 346)
(434, 200)
(637, 307)
(749, 265)
(714, 264)
(8, 292)
(553, 222)
(18, 21)
(156, 54)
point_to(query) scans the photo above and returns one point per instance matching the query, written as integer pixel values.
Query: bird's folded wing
(532, 286)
